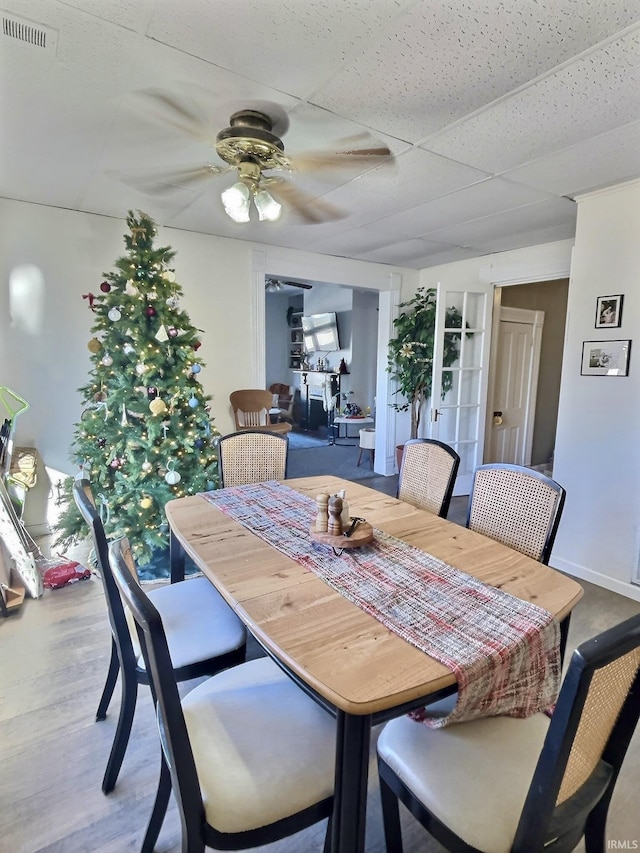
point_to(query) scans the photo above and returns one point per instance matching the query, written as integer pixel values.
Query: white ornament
(169, 275)
(114, 315)
(107, 360)
(130, 288)
(128, 349)
(140, 369)
(173, 301)
(146, 466)
(161, 335)
(172, 477)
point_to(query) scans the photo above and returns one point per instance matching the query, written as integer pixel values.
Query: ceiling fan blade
(310, 209)
(157, 183)
(374, 154)
(182, 113)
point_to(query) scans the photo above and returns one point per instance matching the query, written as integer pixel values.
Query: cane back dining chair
(252, 456)
(505, 785)
(204, 635)
(251, 410)
(428, 474)
(250, 757)
(517, 506)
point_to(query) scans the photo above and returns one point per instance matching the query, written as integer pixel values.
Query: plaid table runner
(503, 651)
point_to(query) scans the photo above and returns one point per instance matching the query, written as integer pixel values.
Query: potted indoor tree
(410, 355)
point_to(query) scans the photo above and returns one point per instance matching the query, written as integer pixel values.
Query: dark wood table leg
(352, 767)
(176, 559)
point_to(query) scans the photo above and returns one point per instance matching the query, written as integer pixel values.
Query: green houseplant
(410, 354)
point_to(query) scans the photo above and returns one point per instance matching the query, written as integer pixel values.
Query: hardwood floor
(53, 753)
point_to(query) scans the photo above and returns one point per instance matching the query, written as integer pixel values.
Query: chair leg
(390, 818)
(359, 458)
(123, 730)
(327, 838)
(595, 829)
(159, 808)
(110, 683)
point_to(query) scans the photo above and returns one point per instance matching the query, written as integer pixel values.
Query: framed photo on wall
(605, 358)
(609, 312)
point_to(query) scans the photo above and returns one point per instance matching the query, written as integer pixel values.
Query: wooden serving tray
(362, 535)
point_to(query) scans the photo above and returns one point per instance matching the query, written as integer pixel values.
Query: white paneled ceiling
(498, 112)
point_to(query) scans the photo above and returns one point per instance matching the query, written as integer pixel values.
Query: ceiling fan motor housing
(250, 137)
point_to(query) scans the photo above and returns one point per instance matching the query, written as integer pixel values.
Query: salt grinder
(322, 517)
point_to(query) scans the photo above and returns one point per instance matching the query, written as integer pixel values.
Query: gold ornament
(146, 502)
(158, 406)
(94, 345)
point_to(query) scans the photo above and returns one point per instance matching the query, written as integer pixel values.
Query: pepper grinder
(322, 517)
(334, 528)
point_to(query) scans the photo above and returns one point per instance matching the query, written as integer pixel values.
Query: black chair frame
(542, 825)
(123, 657)
(178, 769)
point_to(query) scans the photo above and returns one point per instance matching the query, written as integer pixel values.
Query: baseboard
(629, 590)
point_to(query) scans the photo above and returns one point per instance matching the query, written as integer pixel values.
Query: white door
(458, 414)
(515, 363)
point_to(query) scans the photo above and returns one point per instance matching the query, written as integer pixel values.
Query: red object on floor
(64, 574)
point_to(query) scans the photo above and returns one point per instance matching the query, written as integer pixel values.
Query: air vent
(28, 32)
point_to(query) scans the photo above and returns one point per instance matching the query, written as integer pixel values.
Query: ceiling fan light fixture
(273, 286)
(236, 200)
(266, 205)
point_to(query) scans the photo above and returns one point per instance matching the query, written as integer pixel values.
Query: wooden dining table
(362, 672)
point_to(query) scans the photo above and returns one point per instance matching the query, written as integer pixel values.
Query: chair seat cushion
(263, 749)
(198, 622)
(474, 777)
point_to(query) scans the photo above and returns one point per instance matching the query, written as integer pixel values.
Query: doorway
(327, 370)
(549, 297)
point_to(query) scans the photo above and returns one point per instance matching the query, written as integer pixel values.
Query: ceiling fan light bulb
(266, 205)
(236, 202)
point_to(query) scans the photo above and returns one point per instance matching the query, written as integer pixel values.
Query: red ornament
(197, 345)
(116, 464)
(105, 287)
(91, 299)
(151, 311)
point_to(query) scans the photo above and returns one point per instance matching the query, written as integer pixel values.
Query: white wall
(278, 339)
(597, 452)
(598, 436)
(43, 352)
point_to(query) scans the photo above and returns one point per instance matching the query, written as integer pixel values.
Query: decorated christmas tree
(145, 434)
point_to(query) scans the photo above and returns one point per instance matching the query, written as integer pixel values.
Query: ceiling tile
(597, 93)
(443, 61)
(547, 213)
(264, 41)
(598, 162)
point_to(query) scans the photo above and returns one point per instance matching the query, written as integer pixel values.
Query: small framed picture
(609, 312)
(605, 358)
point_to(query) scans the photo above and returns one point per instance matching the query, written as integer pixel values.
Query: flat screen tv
(320, 332)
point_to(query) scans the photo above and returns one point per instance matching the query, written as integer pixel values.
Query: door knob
(497, 418)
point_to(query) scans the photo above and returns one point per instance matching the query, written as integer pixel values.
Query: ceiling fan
(251, 146)
(276, 285)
